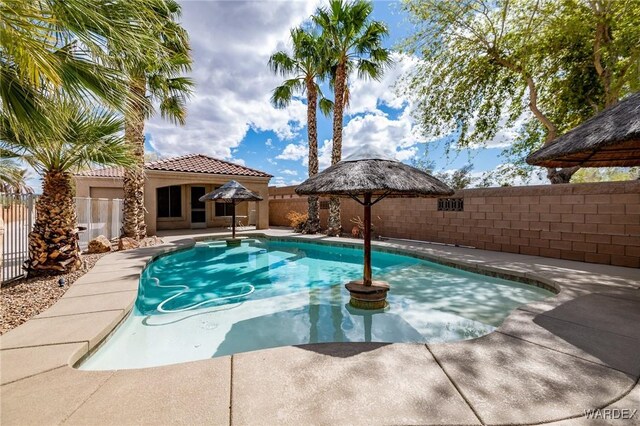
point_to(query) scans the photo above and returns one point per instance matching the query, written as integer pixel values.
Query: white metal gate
(96, 216)
(17, 216)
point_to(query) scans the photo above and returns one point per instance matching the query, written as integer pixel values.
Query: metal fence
(18, 215)
(96, 216)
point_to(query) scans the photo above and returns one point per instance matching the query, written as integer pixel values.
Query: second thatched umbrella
(608, 139)
(373, 176)
(231, 192)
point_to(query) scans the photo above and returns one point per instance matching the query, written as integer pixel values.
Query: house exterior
(174, 185)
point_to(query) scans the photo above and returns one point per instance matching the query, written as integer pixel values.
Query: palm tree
(306, 66)
(50, 46)
(84, 136)
(155, 77)
(354, 43)
(13, 179)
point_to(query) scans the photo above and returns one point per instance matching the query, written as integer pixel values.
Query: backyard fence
(18, 215)
(95, 216)
(587, 222)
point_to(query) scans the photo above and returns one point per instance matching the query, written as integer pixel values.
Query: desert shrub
(358, 227)
(297, 220)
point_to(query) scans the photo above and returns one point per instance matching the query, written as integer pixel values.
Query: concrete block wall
(594, 222)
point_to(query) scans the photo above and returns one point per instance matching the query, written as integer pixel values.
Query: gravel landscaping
(25, 298)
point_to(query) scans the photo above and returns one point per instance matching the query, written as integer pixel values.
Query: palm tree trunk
(53, 242)
(313, 221)
(133, 210)
(335, 226)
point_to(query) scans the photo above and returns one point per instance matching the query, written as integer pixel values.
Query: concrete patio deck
(548, 362)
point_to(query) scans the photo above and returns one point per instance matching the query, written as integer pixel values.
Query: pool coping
(87, 322)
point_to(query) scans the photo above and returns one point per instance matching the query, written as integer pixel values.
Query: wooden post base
(368, 297)
(233, 242)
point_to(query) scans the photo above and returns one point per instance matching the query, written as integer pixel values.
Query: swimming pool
(212, 300)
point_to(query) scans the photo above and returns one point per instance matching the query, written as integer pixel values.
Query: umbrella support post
(366, 293)
(233, 241)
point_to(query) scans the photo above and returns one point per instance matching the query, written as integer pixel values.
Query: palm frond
(54, 46)
(13, 178)
(306, 63)
(281, 63)
(167, 57)
(283, 94)
(326, 106)
(86, 135)
(174, 108)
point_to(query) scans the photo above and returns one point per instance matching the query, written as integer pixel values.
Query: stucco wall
(597, 223)
(85, 186)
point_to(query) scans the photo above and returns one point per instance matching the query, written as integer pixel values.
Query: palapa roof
(231, 191)
(192, 163)
(608, 139)
(370, 171)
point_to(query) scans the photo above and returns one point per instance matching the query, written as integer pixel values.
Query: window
(451, 204)
(198, 212)
(169, 200)
(224, 209)
(324, 205)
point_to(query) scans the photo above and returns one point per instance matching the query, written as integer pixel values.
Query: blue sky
(230, 115)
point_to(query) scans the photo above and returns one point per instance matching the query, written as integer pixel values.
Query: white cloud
(237, 161)
(289, 172)
(282, 181)
(294, 152)
(231, 42)
(397, 137)
(277, 181)
(367, 95)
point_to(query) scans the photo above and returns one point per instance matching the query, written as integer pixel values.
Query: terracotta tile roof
(192, 163)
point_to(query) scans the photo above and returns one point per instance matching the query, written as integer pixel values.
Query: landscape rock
(151, 241)
(101, 244)
(127, 243)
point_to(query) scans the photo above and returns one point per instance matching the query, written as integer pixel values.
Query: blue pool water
(212, 300)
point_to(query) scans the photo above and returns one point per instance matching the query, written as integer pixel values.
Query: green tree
(306, 66)
(157, 77)
(487, 63)
(605, 174)
(353, 43)
(84, 136)
(458, 179)
(54, 46)
(616, 45)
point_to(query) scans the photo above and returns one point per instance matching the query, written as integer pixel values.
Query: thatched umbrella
(608, 139)
(374, 176)
(231, 192)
